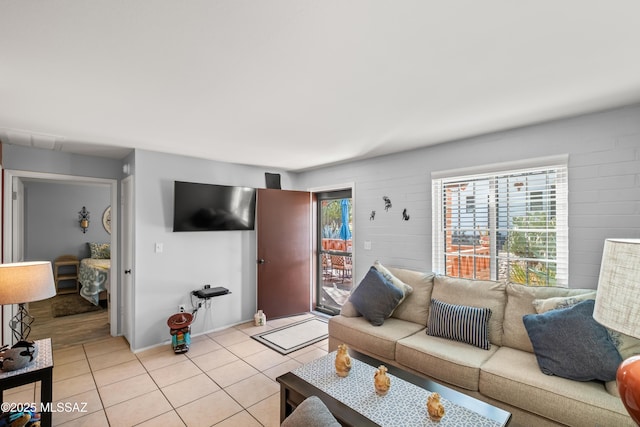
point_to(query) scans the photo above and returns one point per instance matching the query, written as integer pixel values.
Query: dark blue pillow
(569, 343)
(375, 297)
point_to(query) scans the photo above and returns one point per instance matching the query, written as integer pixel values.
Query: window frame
(498, 171)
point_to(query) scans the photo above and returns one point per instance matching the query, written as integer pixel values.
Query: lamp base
(20, 324)
(628, 378)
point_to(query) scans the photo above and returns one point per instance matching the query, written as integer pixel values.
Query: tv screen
(211, 207)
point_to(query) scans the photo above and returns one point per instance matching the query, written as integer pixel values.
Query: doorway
(13, 229)
(334, 274)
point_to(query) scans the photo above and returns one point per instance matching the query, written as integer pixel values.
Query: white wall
(23, 158)
(189, 259)
(604, 188)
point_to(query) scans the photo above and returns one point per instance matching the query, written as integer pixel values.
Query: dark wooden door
(284, 252)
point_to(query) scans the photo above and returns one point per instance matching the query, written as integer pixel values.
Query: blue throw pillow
(375, 297)
(460, 323)
(569, 343)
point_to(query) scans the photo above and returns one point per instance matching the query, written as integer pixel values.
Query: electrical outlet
(182, 308)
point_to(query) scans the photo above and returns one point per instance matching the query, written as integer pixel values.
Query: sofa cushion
(474, 293)
(460, 323)
(513, 377)
(520, 302)
(415, 308)
(450, 361)
(569, 343)
(555, 303)
(375, 297)
(406, 289)
(349, 310)
(361, 335)
(612, 388)
(627, 346)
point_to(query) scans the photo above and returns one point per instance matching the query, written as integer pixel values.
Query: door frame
(128, 248)
(314, 226)
(7, 253)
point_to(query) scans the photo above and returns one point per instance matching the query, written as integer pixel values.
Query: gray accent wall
(189, 260)
(51, 219)
(604, 188)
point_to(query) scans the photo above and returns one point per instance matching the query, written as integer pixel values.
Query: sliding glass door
(335, 262)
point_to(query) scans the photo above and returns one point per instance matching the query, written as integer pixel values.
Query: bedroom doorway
(15, 226)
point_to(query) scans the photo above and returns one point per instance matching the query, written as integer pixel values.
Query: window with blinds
(508, 225)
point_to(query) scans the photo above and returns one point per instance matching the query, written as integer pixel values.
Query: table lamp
(21, 283)
(618, 307)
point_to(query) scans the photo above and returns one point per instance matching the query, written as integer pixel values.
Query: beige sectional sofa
(507, 375)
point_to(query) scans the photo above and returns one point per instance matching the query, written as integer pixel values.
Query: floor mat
(295, 336)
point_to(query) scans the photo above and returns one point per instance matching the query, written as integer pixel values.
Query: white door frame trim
(8, 224)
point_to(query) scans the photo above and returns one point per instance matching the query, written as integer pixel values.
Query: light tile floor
(226, 379)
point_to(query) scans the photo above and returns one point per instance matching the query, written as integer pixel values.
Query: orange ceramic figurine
(343, 361)
(434, 407)
(381, 381)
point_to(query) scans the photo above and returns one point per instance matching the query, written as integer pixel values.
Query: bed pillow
(569, 343)
(460, 323)
(100, 250)
(375, 297)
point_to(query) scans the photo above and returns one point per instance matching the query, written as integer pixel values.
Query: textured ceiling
(298, 84)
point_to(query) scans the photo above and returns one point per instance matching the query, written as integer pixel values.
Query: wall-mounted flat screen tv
(212, 207)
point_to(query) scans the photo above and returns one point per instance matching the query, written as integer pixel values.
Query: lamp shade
(26, 282)
(618, 298)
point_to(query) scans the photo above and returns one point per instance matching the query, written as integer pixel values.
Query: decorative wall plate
(106, 219)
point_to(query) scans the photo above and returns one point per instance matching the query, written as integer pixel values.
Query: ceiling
(297, 84)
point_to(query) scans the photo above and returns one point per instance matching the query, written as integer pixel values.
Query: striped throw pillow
(460, 323)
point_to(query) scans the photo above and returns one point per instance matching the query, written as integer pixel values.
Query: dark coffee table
(294, 389)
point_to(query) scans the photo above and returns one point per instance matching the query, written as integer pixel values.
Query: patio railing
(468, 261)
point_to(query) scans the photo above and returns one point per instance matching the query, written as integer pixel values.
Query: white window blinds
(507, 225)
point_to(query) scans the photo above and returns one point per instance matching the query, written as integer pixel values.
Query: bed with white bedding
(93, 273)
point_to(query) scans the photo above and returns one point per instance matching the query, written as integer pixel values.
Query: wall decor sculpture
(387, 203)
(405, 215)
(106, 219)
(83, 219)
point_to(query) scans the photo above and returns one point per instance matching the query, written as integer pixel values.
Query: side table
(41, 370)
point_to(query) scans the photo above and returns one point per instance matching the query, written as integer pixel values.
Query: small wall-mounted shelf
(207, 293)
